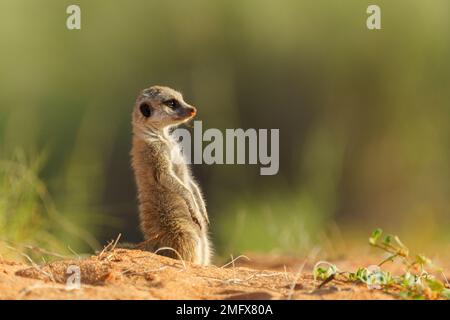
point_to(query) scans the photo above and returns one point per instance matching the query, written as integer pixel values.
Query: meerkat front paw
(194, 216)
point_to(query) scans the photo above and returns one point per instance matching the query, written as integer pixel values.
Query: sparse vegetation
(421, 279)
(29, 220)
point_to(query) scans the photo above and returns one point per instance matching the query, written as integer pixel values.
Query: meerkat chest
(178, 160)
(176, 156)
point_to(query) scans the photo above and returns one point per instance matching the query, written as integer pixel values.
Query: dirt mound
(134, 274)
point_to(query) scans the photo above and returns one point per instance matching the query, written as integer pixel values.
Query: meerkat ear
(146, 110)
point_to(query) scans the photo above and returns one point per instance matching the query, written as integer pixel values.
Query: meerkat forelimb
(171, 207)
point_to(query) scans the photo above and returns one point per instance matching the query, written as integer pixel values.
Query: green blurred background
(363, 117)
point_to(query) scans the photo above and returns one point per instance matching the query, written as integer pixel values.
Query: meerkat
(172, 210)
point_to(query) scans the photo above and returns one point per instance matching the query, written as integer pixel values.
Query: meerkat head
(159, 107)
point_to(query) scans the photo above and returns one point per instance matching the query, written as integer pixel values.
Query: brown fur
(172, 210)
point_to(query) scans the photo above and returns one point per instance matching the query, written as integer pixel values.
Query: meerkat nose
(192, 111)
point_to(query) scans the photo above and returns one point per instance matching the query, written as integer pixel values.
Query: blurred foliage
(363, 115)
(29, 221)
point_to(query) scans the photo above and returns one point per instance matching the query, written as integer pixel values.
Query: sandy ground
(135, 274)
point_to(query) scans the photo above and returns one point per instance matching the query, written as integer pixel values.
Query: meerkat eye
(172, 103)
(145, 110)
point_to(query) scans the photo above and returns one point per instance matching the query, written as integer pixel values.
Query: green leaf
(435, 285)
(387, 239)
(361, 274)
(422, 260)
(375, 236)
(323, 273)
(408, 280)
(446, 293)
(404, 294)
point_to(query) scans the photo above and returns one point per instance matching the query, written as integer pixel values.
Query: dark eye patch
(172, 103)
(146, 110)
